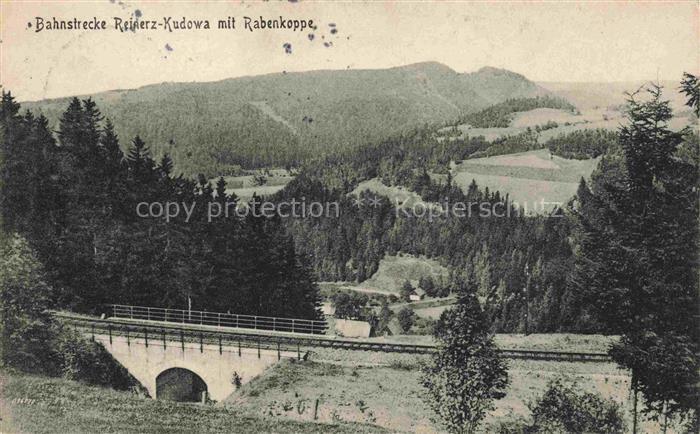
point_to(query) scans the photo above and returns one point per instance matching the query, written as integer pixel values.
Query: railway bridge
(186, 355)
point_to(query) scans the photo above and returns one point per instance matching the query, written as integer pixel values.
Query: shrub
(403, 365)
(406, 318)
(84, 360)
(349, 305)
(236, 380)
(467, 373)
(406, 291)
(424, 326)
(25, 325)
(563, 408)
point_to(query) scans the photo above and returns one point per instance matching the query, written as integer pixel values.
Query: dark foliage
(582, 144)
(349, 305)
(637, 240)
(406, 318)
(562, 408)
(485, 254)
(75, 201)
(30, 341)
(466, 374)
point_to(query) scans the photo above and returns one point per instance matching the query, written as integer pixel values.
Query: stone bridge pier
(183, 370)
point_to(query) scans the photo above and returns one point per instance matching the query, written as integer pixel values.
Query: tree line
(500, 115)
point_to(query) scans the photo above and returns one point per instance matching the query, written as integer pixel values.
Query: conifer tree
(636, 261)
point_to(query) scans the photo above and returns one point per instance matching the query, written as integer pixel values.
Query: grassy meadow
(391, 274)
(398, 195)
(393, 271)
(385, 390)
(31, 404)
(527, 177)
(244, 186)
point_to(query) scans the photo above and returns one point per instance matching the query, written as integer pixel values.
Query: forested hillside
(74, 199)
(283, 119)
(521, 266)
(495, 257)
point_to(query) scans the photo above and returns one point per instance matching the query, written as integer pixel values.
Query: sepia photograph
(314, 216)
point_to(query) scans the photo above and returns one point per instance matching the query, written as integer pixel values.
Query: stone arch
(180, 384)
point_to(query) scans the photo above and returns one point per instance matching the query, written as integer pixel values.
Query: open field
(385, 389)
(537, 342)
(398, 195)
(432, 312)
(541, 116)
(427, 308)
(244, 187)
(329, 288)
(591, 117)
(393, 271)
(567, 122)
(245, 194)
(40, 405)
(529, 178)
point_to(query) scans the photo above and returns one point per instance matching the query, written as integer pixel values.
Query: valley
(381, 145)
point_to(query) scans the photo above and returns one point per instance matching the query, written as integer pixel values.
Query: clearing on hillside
(391, 274)
(393, 271)
(244, 186)
(398, 195)
(536, 180)
(566, 122)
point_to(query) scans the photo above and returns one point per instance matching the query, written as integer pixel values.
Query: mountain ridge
(286, 118)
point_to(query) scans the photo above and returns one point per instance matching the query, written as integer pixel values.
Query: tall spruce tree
(636, 262)
(15, 204)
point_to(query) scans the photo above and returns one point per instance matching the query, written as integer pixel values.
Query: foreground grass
(384, 389)
(31, 404)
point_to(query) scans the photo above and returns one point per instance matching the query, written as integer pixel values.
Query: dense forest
(513, 263)
(582, 144)
(74, 200)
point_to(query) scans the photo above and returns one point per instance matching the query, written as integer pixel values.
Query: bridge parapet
(218, 319)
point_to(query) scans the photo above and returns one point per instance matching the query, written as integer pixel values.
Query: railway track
(162, 333)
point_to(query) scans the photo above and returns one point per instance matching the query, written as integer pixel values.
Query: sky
(545, 41)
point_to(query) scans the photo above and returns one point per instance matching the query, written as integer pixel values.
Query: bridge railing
(218, 319)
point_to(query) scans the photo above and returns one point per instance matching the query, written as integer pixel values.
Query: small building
(350, 328)
(327, 308)
(417, 295)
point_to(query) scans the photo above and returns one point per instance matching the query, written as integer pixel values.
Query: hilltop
(286, 118)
